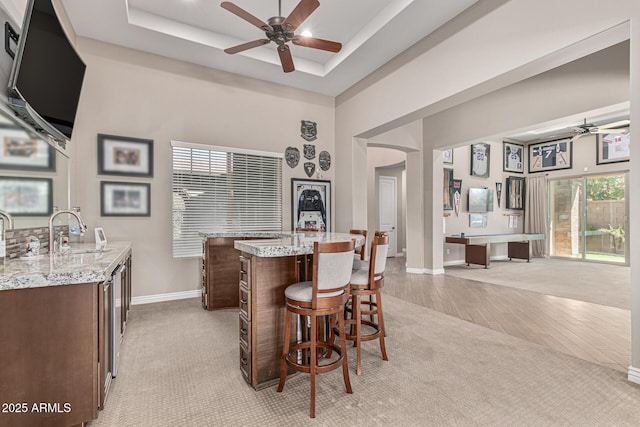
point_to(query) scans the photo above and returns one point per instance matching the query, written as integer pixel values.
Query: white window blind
(223, 189)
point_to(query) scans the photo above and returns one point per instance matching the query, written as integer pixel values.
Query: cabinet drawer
(245, 265)
(245, 363)
(245, 331)
(245, 302)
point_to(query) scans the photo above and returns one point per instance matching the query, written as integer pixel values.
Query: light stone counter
(290, 243)
(82, 264)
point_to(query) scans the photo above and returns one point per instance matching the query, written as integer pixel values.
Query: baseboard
(171, 296)
(461, 261)
(633, 374)
(425, 271)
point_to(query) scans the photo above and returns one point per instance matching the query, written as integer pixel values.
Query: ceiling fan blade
(609, 131)
(300, 13)
(286, 59)
(241, 13)
(317, 43)
(618, 124)
(248, 45)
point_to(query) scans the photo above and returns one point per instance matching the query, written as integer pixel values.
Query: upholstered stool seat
(367, 283)
(324, 295)
(303, 291)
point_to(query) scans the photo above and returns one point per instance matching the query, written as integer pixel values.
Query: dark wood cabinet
(262, 282)
(49, 353)
(57, 348)
(219, 273)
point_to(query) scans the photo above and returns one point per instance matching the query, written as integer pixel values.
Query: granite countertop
(290, 243)
(82, 264)
(259, 234)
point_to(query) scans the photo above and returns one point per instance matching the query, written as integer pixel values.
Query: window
(223, 189)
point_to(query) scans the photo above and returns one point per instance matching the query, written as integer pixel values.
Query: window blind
(223, 189)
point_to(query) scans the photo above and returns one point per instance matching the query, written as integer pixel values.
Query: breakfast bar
(267, 266)
(477, 248)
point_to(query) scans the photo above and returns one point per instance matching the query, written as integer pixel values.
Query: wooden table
(477, 249)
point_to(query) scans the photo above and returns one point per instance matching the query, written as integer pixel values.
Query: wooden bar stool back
(360, 252)
(324, 295)
(367, 283)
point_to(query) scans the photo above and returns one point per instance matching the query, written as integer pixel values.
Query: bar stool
(324, 295)
(360, 252)
(367, 283)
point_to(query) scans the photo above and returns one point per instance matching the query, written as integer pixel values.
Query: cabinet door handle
(244, 361)
(243, 331)
(243, 301)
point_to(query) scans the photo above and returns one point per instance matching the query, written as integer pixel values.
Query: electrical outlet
(448, 251)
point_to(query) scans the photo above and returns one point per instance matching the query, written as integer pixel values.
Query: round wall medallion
(292, 155)
(325, 160)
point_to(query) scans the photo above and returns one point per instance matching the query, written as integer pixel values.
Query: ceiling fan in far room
(280, 30)
(620, 126)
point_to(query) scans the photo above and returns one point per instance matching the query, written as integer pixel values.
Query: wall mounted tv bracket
(9, 36)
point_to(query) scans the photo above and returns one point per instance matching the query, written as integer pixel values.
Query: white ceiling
(371, 31)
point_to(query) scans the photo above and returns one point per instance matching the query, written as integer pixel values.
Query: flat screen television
(480, 200)
(47, 73)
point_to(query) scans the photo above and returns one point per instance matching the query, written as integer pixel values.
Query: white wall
(130, 93)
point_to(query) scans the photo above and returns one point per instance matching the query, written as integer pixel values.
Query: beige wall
(140, 95)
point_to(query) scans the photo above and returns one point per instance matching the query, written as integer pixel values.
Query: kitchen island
(267, 267)
(251, 270)
(58, 333)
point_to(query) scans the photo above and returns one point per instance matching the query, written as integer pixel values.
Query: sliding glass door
(588, 218)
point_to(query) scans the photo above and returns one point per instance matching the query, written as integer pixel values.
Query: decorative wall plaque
(308, 130)
(292, 155)
(309, 151)
(309, 168)
(325, 160)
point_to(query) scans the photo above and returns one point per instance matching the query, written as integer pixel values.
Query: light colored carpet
(179, 367)
(603, 284)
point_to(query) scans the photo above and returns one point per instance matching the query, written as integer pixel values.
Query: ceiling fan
(590, 128)
(280, 30)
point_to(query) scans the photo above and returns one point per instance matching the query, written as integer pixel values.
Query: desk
(477, 249)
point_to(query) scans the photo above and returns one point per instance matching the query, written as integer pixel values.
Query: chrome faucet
(9, 220)
(75, 214)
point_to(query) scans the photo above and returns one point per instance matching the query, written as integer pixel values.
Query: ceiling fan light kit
(281, 30)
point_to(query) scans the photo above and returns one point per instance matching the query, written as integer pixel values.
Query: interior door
(387, 209)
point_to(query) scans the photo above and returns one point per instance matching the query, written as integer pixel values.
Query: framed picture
(447, 156)
(613, 147)
(19, 151)
(310, 204)
(513, 157)
(551, 155)
(125, 199)
(515, 193)
(26, 196)
(477, 220)
(480, 159)
(447, 189)
(120, 155)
